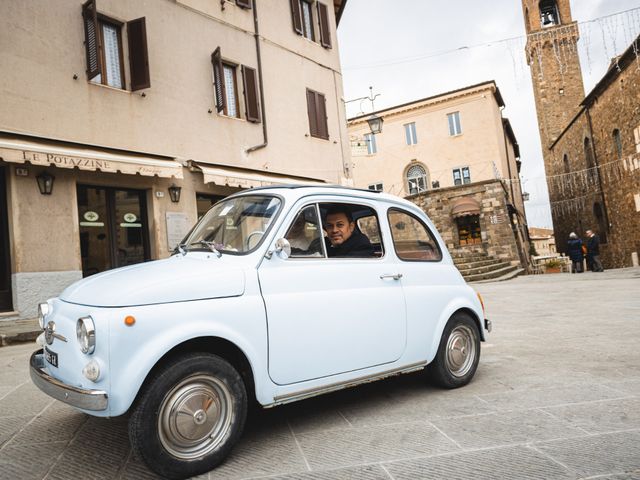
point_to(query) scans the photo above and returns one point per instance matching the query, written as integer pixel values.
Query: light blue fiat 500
(277, 294)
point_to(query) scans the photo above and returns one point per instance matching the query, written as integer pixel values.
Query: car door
(328, 316)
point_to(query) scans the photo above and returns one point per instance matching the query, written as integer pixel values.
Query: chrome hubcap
(461, 351)
(195, 417)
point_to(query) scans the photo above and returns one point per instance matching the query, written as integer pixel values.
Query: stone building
(590, 144)
(122, 122)
(543, 241)
(457, 157)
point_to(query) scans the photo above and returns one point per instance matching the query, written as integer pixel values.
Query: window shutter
(251, 94)
(91, 38)
(311, 111)
(321, 112)
(296, 14)
(323, 20)
(244, 3)
(138, 55)
(218, 78)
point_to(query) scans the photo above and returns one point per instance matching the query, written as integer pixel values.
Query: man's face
(338, 228)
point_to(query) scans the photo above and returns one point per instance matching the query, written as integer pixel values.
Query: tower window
(549, 13)
(565, 162)
(617, 142)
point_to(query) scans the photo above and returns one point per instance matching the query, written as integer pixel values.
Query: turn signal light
(481, 302)
(129, 320)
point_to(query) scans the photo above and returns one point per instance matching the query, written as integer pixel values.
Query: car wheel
(189, 416)
(458, 354)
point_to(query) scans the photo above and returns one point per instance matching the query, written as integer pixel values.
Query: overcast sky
(410, 49)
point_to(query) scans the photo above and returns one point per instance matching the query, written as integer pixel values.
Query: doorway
(5, 260)
(114, 231)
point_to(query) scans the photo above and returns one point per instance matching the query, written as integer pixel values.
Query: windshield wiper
(181, 248)
(211, 246)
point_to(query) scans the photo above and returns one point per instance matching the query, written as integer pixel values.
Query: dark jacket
(593, 245)
(574, 249)
(357, 245)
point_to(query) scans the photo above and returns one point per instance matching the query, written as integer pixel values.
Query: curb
(18, 331)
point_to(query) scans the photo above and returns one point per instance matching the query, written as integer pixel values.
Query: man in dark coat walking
(593, 252)
(574, 251)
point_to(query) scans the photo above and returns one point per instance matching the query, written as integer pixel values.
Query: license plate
(51, 357)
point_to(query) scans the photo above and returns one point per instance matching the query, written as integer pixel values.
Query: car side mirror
(283, 248)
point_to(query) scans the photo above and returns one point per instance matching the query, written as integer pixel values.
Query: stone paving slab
(513, 463)
(556, 396)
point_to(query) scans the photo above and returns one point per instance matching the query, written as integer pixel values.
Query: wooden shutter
(249, 79)
(91, 38)
(218, 78)
(323, 21)
(321, 115)
(244, 3)
(296, 14)
(138, 55)
(311, 111)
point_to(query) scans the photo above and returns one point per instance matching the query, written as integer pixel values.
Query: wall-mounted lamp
(525, 196)
(174, 193)
(45, 182)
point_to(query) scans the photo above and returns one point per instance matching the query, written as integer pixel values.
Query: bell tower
(552, 55)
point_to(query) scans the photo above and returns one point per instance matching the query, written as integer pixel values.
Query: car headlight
(43, 311)
(86, 333)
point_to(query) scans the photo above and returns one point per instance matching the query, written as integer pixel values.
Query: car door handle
(395, 276)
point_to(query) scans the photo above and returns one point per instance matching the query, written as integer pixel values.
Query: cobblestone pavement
(556, 396)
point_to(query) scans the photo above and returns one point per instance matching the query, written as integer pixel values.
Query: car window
(412, 239)
(351, 231)
(305, 235)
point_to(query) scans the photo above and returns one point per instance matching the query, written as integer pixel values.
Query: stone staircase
(480, 267)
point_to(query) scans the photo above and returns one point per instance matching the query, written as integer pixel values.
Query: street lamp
(374, 121)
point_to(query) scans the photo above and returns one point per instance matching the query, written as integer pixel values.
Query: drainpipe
(595, 159)
(256, 35)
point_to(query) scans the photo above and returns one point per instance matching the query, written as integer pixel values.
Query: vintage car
(263, 301)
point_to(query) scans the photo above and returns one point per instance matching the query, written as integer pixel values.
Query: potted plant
(552, 266)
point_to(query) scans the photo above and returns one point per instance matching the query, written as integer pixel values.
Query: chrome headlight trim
(86, 334)
(43, 311)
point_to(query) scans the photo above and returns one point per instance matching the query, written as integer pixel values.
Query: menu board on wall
(177, 227)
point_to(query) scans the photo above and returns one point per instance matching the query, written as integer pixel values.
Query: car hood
(175, 279)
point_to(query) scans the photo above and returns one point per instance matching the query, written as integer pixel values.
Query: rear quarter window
(412, 239)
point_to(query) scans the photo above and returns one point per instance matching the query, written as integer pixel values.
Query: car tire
(188, 417)
(458, 354)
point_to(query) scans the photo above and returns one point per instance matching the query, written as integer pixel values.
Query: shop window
(417, 180)
(317, 112)
(469, 232)
(226, 88)
(104, 49)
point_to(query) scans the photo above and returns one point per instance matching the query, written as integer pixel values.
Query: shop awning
(17, 149)
(244, 178)
(464, 206)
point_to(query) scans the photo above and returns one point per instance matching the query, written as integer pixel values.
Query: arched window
(617, 143)
(549, 13)
(417, 179)
(565, 163)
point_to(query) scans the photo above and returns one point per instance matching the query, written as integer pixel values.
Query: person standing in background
(574, 251)
(593, 252)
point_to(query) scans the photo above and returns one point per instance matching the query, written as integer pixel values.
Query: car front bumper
(95, 400)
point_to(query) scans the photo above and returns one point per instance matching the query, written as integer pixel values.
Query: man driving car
(344, 238)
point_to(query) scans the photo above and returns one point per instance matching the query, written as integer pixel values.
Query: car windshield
(236, 225)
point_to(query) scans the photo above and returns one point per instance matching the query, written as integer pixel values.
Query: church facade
(590, 144)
